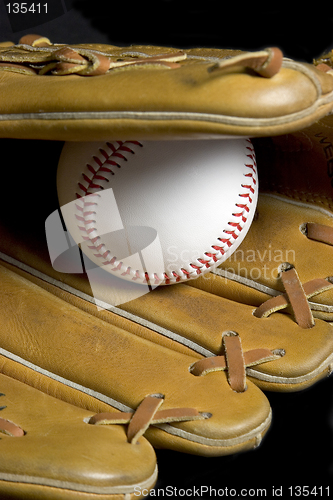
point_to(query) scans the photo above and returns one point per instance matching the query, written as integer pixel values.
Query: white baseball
(158, 212)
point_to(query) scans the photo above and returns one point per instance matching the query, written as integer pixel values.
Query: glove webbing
(145, 415)
(296, 295)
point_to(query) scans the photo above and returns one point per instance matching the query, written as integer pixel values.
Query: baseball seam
(98, 170)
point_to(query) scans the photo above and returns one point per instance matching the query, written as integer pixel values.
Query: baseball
(158, 212)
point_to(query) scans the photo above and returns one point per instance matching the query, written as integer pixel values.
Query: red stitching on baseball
(117, 149)
(226, 241)
(243, 207)
(219, 249)
(91, 169)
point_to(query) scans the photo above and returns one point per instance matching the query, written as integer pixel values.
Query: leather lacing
(266, 63)
(147, 414)
(8, 427)
(38, 55)
(234, 361)
(296, 295)
(318, 232)
(11, 429)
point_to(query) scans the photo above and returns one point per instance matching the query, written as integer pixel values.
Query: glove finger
(49, 451)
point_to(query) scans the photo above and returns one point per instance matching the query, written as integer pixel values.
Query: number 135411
(25, 8)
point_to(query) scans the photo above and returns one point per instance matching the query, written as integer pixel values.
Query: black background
(301, 32)
(298, 449)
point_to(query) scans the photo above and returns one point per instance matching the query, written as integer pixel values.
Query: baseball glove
(99, 92)
(50, 451)
(157, 367)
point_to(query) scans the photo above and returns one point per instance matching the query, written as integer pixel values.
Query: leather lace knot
(234, 361)
(296, 295)
(266, 63)
(146, 414)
